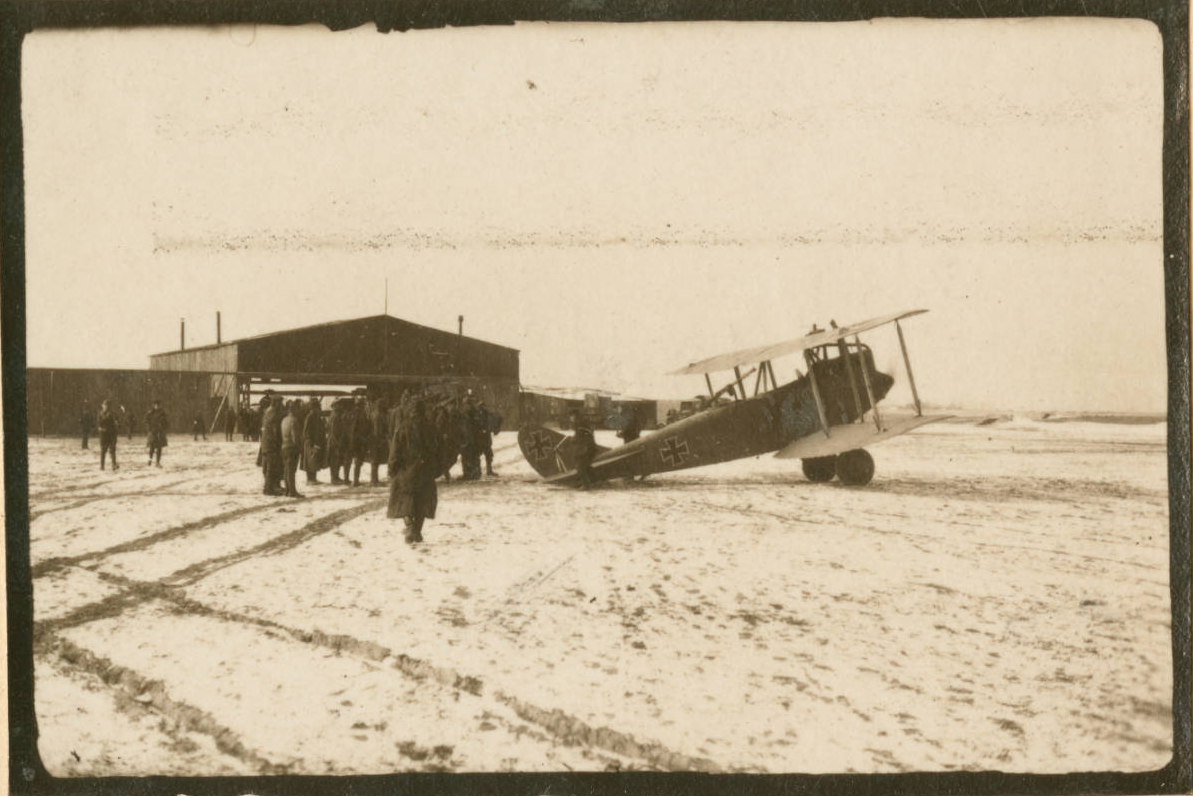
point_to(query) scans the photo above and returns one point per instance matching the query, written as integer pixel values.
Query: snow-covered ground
(997, 598)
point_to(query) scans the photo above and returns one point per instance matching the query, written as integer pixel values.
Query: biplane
(819, 417)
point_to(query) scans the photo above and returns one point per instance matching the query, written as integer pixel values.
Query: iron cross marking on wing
(674, 451)
(539, 445)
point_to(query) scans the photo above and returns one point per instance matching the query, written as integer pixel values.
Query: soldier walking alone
(156, 424)
(109, 430)
(413, 466)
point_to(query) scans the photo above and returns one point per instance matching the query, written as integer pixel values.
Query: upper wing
(850, 436)
(775, 350)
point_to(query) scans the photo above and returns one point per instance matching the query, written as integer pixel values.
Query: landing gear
(855, 467)
(820, 469)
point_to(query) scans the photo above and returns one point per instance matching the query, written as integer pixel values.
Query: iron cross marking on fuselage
(539, 445)
(673, 451)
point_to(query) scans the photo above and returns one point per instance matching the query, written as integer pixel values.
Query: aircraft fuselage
(750, 427)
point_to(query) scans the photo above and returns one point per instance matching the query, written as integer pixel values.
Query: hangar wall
(55, 397)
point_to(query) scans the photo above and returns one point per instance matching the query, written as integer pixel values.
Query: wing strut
(741, 388)
(816, 393)
(869, 389)
(857, 398)
(907, 363)
(711, 394)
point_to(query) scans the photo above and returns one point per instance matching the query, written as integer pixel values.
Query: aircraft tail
(549, 451)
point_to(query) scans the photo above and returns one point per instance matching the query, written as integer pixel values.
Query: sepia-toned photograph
(723, 397)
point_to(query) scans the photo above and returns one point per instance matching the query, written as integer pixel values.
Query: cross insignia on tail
(674, 451)
(538, 445)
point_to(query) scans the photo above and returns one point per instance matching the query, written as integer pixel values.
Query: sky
(615, 200)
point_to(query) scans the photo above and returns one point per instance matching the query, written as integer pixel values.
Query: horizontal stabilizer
(597, 465)
(852, 436)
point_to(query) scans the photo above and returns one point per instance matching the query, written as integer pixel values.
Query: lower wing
(851, 436)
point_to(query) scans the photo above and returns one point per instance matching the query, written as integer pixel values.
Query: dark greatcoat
(339, 431)
(380, 437)
(271, 430)
(361, 436)
(156, 424)
(413, 459)
(314, 442)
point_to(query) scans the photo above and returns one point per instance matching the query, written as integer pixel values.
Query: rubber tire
(820, 469)
(855, 467)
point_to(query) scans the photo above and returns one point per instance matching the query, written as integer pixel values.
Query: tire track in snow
(152, 693)
(559, 725)
(54, 564)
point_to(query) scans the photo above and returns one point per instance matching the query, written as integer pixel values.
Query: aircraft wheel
(820, 469)
(855, 467)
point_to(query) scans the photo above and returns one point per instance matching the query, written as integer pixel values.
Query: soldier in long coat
(361, 438)
(413, 465)
(270, 455)
(86, 423)
(156, 425)
(314, 442)
(339, 433)
(109, 429)
(379, 440)
(470, 443)
(448, 438)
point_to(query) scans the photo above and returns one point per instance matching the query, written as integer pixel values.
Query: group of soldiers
(418, 441)
(108, 423)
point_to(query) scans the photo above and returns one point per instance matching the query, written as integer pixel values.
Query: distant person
(156, 425)
(109, 431)
(488, 424)
(230, 424)
(269, 455)
(314, 441)
(448, 436)
(360, 438)
(584, 446)
(379, 439)
(631, 427)
(291, 445)
(197, 428)
(470, 444)
(338, 437)
(413, 466)
(86, 423)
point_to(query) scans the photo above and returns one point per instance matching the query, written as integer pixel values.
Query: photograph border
(20, 17)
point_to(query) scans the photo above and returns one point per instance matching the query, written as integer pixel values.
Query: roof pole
(816, 393)
(869, 389)
(907, 364)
